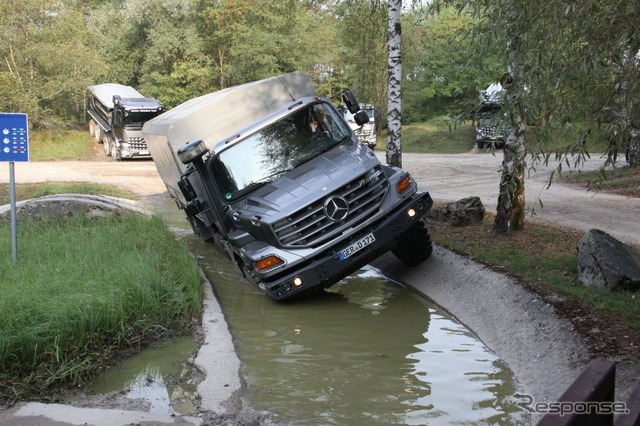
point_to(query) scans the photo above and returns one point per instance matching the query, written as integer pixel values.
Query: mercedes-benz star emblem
(336, 208)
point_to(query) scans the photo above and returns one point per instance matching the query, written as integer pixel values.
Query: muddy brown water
(367, 351)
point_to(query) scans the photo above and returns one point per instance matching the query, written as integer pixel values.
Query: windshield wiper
(266, 179)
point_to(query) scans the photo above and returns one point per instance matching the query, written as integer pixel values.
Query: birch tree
(394, 107)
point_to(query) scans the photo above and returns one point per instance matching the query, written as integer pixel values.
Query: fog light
(412, 212)
(286, 286)
(297, 281)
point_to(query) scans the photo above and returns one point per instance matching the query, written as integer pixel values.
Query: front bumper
(127, 153)
(327, 269)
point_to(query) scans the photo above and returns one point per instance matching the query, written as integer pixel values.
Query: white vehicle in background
(368, 132)
(492, 124)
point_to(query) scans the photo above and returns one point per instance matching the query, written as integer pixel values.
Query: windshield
(489, 110)
(133, 118)
(274, 150)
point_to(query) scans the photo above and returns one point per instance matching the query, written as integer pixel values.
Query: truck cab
(129, 115)
(272, 174)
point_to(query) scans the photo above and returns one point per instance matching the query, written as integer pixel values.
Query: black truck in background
(117, 113)
(274, 175)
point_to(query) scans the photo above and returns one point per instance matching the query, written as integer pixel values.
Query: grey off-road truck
(274, 176)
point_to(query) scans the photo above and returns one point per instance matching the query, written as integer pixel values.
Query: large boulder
(606, 263)
(463, 212)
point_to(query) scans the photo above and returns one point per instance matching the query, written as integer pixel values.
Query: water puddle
(369, 351)
(366, 351)
(159, 375)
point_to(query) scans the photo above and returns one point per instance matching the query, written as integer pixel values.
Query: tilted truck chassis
(284, 188)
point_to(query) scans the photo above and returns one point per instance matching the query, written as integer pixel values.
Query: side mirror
(361, 117)
(350, 101)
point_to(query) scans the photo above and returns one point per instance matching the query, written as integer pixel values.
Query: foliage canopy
(175, 50)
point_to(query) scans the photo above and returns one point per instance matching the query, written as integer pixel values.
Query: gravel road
(450, 177)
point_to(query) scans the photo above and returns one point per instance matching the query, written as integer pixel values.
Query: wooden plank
(595, 384)
(633, 405)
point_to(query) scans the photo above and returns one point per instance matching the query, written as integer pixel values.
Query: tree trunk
(633, 147)
(510, 210)
(394, 109)
(633, 151)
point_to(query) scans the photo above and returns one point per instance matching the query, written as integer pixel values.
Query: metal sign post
(14, 146)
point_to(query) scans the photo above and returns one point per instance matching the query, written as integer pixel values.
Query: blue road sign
(14, 137)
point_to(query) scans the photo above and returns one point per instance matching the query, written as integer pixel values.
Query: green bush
(51, 145)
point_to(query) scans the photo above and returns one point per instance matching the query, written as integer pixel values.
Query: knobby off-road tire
(414, 246)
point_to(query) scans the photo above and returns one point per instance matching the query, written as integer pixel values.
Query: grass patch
(27, 191)
(439, 135)
(435, 136)
(541, 256)
(52, 145)
(566, 139)
(84, 289)
(623, 180)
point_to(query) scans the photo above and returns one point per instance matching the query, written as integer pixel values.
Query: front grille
(310, 226)
(363, 132)
(489, 131)
(137, 143)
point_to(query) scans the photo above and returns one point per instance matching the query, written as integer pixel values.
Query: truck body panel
(276, 178)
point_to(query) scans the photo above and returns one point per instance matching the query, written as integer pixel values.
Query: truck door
(118, 123)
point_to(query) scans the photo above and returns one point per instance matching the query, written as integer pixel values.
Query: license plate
(356, 246)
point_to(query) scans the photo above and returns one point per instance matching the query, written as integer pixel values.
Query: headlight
(267, 263)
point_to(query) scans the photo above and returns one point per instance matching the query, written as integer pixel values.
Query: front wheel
(414, 246)
(106, 145)
(115, 154)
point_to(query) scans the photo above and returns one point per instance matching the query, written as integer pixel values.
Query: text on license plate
(356, 246)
